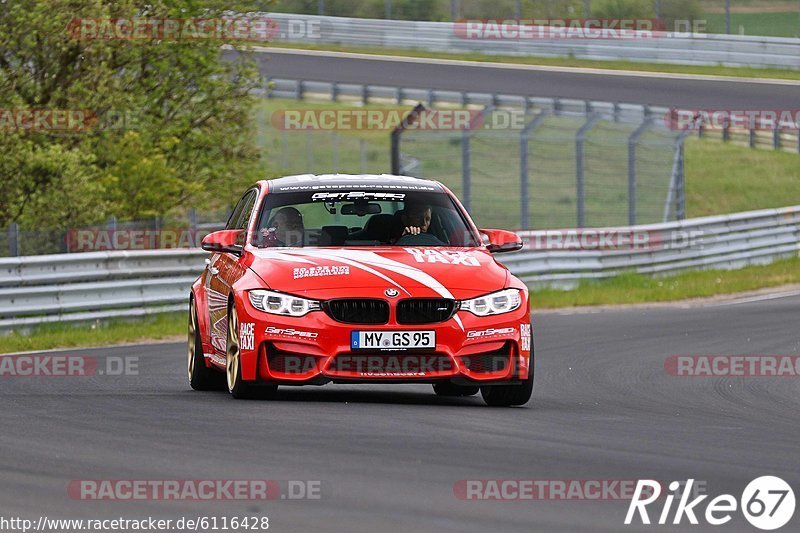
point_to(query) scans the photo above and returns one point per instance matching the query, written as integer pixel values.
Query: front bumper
(315, 349)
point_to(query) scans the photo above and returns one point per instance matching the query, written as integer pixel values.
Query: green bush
(680, 10)
(623, 9)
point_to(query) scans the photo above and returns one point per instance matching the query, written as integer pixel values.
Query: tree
(171, 121)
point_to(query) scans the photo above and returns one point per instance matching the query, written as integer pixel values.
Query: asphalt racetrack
(655, 89)
(387, 457)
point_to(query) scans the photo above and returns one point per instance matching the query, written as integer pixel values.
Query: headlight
(495, 303)
(277, 303)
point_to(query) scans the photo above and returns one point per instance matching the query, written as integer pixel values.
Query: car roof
(303, 182)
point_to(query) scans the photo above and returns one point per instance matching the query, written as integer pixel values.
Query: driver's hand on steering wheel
(412, 230)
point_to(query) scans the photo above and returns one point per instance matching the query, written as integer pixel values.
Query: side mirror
(498, 240)
(229, 241)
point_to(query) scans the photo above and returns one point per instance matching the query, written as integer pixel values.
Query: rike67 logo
(767, 503)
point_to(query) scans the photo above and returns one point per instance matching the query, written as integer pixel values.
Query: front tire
(200, 376)
(508, 395)
(238, 388)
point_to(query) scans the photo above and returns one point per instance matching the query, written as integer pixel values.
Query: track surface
(387, 456)
(685, 93)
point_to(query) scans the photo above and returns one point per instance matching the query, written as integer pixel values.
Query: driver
(416, 220)
(285, 228)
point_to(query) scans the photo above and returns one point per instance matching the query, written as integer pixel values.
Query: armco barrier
(696, 49)
(101, 285)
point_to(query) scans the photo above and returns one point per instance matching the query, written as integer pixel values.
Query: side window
(241, 213)
(233, 221)
(247, 211)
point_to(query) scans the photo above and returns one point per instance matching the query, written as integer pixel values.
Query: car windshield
(356, 217)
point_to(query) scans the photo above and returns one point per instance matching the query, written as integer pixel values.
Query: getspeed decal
(445, 257)
(491, 332)
(291, 332)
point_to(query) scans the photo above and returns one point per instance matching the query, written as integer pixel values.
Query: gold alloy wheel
(192, 338)
(232, 349)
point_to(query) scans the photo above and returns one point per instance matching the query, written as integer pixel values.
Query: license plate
(392, 340)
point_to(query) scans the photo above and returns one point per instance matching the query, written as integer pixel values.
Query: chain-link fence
(560, 168)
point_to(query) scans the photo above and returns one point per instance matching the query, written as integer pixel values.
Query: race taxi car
(359, 279)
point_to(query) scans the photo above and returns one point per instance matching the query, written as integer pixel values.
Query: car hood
(340, 272)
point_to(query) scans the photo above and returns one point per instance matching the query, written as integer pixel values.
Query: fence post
(192, 219)
(13, 240)
(751, 137)
(776, 137)
(681, 209)
(580, 139)
(334, 91)
(365, 94)
(466, 157)
(301, 89)
(633, 141)
(676, 193)
(524, 216)
(466, 170)
(394, 137)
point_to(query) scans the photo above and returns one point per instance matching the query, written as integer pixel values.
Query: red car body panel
(319, 346)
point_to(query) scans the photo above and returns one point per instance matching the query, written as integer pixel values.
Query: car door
(221, 273)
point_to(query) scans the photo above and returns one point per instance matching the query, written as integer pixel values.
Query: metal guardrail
(102, 285)
(720, 242)
(676, 48)
(94, 286)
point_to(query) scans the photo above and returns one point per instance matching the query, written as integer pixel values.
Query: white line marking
(532, 68)
(761, 298)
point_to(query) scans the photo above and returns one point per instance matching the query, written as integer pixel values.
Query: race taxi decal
(291, 332)
(446, 257)
(247, 337)
(320, 271)
(525, 337)
(491, 332)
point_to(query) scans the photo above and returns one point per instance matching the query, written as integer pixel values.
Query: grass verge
(715, 70)
(637, 289)
(155, 327)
